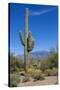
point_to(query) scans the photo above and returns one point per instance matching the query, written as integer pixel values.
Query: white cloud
(40, 12)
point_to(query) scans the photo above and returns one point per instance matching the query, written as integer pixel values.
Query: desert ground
(50, 80)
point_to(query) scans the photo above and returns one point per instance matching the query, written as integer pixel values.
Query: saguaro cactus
(27, 41)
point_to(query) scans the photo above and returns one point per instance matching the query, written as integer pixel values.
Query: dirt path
(48, 81)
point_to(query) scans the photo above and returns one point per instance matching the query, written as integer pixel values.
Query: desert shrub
(26, 79)
(21, 69)
(48, 72)
(30, 71)
(54, 71)
(53, 60)
(15, 64)
(37, 75)
(16, 69)
(44, 65)
(50, 62)
(51, 72)
(14, 80)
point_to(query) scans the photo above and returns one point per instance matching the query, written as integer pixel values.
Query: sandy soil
(51, 80)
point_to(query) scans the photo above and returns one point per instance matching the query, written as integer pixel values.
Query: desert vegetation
(36, 70)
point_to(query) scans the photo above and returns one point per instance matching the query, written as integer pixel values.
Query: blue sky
(42, 22)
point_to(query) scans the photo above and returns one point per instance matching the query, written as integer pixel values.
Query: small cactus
(27, 41)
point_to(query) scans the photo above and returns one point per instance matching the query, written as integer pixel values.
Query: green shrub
(30, 71)
(54, 71)
(51, 72)
(16, 69)
(15, 63)
(53, 60)
(44, 65)
(14, 80)
(26, 79)
(37, 75)
(48, 72)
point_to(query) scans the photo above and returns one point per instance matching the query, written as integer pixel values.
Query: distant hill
(40, 54)
(36, 55)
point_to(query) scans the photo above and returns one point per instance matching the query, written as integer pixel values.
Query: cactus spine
(27, 41)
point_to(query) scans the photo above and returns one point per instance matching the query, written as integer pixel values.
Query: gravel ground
(50, 80)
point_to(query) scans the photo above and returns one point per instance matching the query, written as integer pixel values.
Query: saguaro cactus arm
(30, 42)
(30, 45)
(21, 38)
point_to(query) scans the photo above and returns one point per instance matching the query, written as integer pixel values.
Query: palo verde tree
(27, 41)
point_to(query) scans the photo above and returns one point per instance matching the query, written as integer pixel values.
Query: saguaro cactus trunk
(27, 41)
(26, 36)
